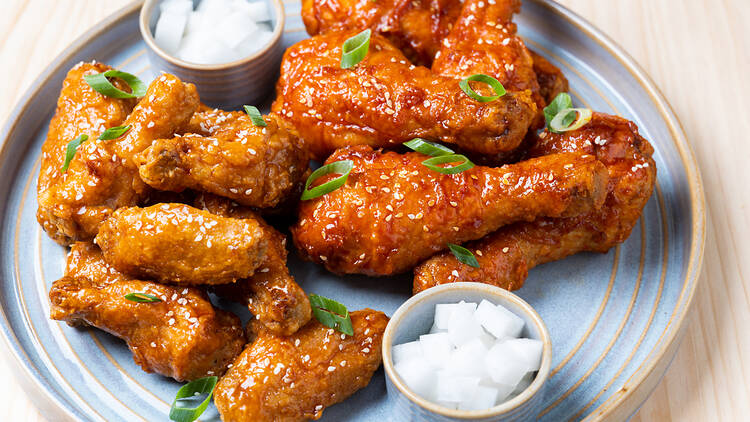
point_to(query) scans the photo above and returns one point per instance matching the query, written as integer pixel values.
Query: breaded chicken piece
(252, 165)
(182, 336)
(416, 27)
(393, 212)
(278, 303)
(506, 256)
(102, 176)
(179, 244)
(385, 101)
(550, 78)
(294, 378)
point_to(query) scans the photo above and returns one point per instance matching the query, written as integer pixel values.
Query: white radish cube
(407, 351)
(530, 350)
(234, 28)
(504, 392)
(436, 348)
(443, 312)
(455, 388)
(499, 321)
(169, 30)
(193, 47)
(215, 6)
(504, 365)
(447, 404)
(196, 22)
(524, 383)
(468, 359)
(253, 43)
(257, 10)
(483, 398)
(462, 326)
(181, 7)
(419, 376)
(435, 330)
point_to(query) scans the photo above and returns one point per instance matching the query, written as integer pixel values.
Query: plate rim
(687, 156)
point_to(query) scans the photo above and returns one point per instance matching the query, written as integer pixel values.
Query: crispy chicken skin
(182, 336)
(385, 101)
(176, 243)
(506, 256)
(393, 212)
(254, 166)
(294, 378)
(271, 294)
(102, 176)
(549, 77)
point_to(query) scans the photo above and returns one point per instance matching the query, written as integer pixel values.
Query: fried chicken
(182, 336)
(384, 101)
(294, 378)
(228, 155)
(551, 80)
(102, 176)
(278, 303)
(393, 212)
(176, 243)
(506, 256)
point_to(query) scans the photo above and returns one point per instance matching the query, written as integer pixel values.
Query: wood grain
(697, 52)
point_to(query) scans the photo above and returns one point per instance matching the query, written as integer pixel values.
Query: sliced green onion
(114, 132)
(562, 122)
(426, 147)
(102, 85)
(464, 255)
(487, 79)
(70, 152)
(339, 167)
(190, 392)
(142, 298)
(433, 163)
(355, 49)
(332, 314)
(561, 102)
(255, 115)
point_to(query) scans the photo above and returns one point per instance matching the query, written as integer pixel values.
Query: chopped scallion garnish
(463, 255)
(332, 314)
(487, 79)
(561, 102)
(255, 115)
(114, 132)
(355, 49)
(142, 298)
(102, 85)
(426, 147)
(562, 122)
(191, 392)
(434, 163)
(70, 151)
(339, 167)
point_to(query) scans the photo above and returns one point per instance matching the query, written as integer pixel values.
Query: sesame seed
(506, 249)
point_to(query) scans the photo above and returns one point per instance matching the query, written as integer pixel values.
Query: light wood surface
(697, 52)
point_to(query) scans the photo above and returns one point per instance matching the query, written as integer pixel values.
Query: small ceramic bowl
(226, 85)
(415, 317)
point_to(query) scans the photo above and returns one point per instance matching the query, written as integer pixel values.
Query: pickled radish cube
(258, 10)
(196, 22)
(253, 42)
(436, 348)
(447, 404)
(435, 330)
(504, 392)
(181, 7)
(234, 28)
(169, 30)
(504, 365)
(530, 350)
(216, 6)
(407, 351)
(419, 376)
(443, 312)
(455, 388)
(194, 47)
(524, 383)
(487, 339)
(462, 326)
(499, 321)
(483, 398)
(468, 359)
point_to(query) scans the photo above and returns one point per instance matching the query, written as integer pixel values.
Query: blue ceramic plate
(615, 319)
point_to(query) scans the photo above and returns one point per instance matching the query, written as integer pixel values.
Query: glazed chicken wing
(182, 336)
(102, 176)
(176, 243)
(385, 101)
(393, 212)
(506, 256)
(255, 166)
(278, 303)
(294, 378)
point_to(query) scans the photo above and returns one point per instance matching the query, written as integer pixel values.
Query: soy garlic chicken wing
(506, 256)
(393, 212)
(294, 378)
(551, 80)
(176, 243)
(253, 165)
(384, 101)
(182, 336)
(278, 303)
(102, 176)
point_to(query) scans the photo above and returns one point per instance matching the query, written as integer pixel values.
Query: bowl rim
(149, 7)
(492, 292)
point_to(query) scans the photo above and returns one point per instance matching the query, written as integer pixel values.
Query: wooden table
(698, 53)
